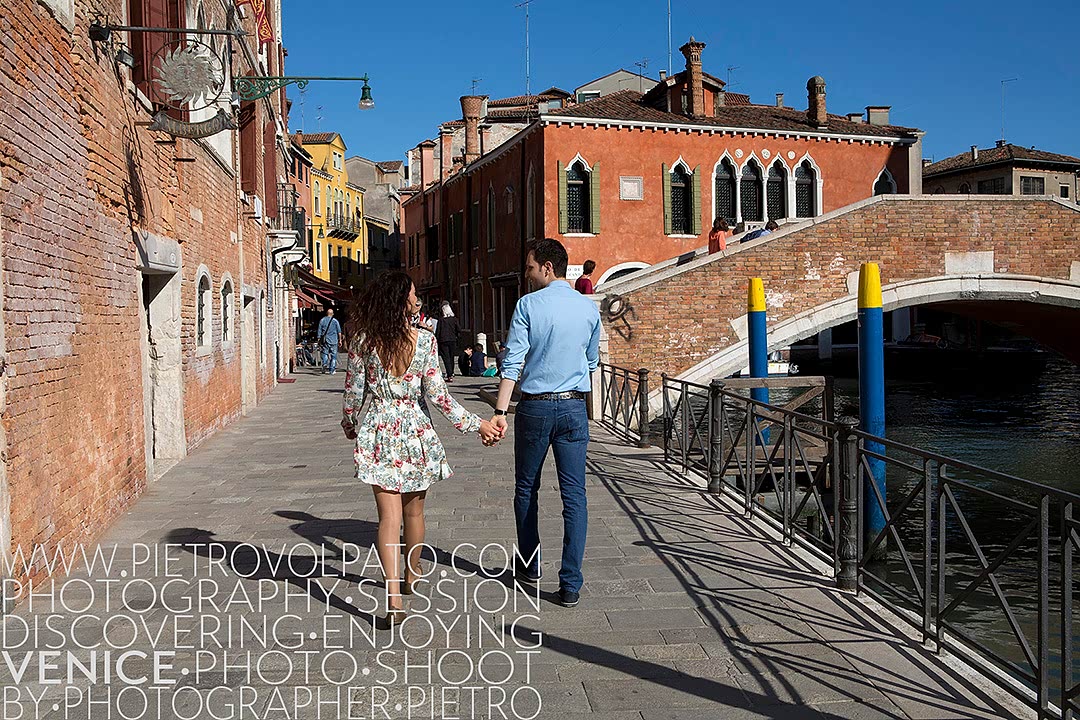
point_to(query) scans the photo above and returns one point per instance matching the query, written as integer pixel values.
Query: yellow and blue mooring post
(759, 348)
(872, 391)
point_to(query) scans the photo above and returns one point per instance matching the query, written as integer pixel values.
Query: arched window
(491, 219)
(226, 311)
(776, 191)
(939, 190)
(681, 214)
(577, 199)
(750, 188)
(805, 190)
(724, 194)
(203, 312)
(318, 199)
(348, 205)
(530, 206)
(885, 184)
(964, 189)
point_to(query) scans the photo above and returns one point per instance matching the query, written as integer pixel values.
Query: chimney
(471, 106)
(446, 142)
(815, 107)
(855, 117)
(692, 52)
(300, 138)
(927, 161)
(427, 162)
(485, 138)
(974, 153)
(780, 100)
(663, 75)
(877, 114)
(1001, 143)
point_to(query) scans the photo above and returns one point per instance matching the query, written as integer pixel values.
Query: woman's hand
(349, 428)
(489, 434)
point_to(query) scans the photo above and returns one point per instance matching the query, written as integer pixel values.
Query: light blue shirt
(554, 341)
(329, 328)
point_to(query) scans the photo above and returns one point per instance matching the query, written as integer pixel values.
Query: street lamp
(366, 103)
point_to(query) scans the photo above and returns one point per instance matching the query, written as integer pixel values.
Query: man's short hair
(589, 266)
(551, 251)
(771, 225)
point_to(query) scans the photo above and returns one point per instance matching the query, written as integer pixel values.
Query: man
(767, 230)
(329, 339)
(584, 283)
(553, 347)
(464, 361)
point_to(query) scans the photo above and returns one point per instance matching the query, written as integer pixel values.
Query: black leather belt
(568, 395)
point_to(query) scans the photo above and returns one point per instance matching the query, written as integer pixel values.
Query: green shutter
(594, 196)
(667, 199)
(695, 200)
(564, 221)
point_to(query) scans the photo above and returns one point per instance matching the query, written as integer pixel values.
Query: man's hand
(489, 435)
(500, 424)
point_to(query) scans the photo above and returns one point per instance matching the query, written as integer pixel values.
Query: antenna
(319, 117)
(642, 65)
(525, 4)
(1008, 80)
(731, 69)
(669, 38)
(475, 83)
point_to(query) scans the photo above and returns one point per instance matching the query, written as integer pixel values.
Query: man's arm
(517, 348)
(592, 353)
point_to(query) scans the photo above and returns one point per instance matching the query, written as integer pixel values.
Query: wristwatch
(499, 412)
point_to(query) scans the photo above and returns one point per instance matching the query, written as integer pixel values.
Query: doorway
(163, 383)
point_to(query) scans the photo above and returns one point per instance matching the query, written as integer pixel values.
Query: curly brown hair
(379, 319)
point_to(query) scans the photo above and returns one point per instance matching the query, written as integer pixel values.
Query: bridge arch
(1050, 292)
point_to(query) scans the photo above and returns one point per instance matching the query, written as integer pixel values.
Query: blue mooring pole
(759, 348)
(872, 392)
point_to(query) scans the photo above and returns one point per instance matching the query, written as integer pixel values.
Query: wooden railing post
(643, 408)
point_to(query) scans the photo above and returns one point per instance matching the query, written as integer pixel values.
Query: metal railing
(979, 561)
(342, 223)
(290, 216)
(624, 402)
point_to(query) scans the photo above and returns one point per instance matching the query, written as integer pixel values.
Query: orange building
(631, 179)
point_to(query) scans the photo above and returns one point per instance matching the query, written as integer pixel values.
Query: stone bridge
(1012, 260)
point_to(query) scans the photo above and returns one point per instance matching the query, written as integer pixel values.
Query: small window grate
(750, 187)
(776, 193)
(680, 203)
(725, 192)
(805, 190)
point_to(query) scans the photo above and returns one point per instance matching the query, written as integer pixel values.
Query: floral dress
(396, 446)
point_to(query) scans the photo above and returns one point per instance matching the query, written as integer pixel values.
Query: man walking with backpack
(553, 347)
(329, 339)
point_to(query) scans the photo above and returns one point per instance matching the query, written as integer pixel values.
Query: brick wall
(687, 317)
(80, 171)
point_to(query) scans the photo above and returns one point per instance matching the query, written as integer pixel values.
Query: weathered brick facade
(684, 316)
(81, 178)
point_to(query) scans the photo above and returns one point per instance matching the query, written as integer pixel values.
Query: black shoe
(528, 576)
(568, 598)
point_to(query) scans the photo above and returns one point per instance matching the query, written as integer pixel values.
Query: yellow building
(339, 253)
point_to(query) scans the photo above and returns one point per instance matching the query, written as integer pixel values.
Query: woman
(447, 332)
(719, 235)
(397, 451)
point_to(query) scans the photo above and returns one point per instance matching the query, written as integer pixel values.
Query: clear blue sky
(938, 63)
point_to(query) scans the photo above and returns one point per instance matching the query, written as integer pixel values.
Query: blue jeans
(562, 425)
(329, 357)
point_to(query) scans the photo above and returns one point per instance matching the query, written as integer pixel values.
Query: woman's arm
(355, 392)
(437, 394)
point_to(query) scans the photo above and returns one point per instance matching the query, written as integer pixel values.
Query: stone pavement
(688, 611)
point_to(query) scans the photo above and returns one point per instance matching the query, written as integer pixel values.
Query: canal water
(1025, 426)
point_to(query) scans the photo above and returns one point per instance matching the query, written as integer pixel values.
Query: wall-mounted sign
(192, 130)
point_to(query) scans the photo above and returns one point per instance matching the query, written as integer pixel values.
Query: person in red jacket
(584, 283)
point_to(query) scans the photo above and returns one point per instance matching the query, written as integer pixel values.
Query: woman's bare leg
(389, 538)
(412, 508)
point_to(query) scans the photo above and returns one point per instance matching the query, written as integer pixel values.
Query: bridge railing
(981, 562)
(624, 402)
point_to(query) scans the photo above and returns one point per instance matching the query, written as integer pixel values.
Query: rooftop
(992, 156)
(318, 138)
(627, 105)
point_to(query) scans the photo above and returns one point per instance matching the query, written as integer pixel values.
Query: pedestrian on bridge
(553, 347)
(397, 451)
(719, 235)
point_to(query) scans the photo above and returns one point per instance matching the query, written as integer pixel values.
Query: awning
(305, 300)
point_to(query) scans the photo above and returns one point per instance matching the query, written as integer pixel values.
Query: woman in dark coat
(446, 333)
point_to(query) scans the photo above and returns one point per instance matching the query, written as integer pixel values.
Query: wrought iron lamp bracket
(253, 87)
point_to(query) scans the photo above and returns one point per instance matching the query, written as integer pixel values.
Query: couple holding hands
(552, 348)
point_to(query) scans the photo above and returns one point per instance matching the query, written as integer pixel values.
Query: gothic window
(577, 199)
(885, 184)
(776, 191)
(202, 313)
(964, 189)
(681, 217)
(725, 192)
(226, 311)
(805, 190)
(491, 219)
(750, 187)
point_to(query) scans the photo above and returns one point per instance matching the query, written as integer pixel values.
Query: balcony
(289, 216)
(340, 225)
